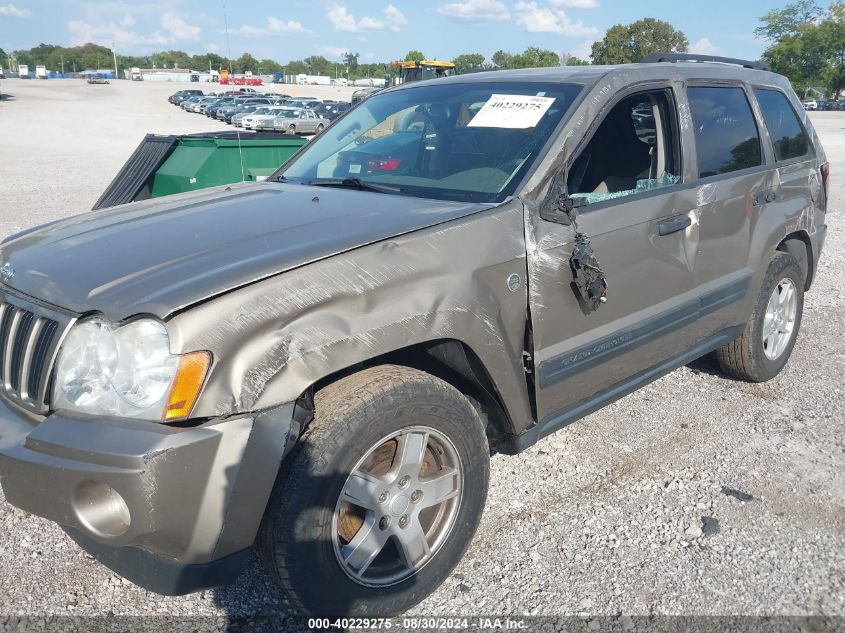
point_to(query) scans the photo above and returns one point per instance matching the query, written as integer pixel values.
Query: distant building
(171, 74)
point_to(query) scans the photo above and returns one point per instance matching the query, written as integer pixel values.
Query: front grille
(30, 334)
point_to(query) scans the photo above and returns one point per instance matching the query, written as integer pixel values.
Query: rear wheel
(382, 496)
(769, 336)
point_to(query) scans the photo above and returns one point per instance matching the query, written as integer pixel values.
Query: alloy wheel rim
(397, 507)
(779, 321)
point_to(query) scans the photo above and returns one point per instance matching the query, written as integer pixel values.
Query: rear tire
(770, 333)
(308, 532)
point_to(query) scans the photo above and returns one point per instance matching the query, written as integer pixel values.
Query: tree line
(623, 43)
(805, 42)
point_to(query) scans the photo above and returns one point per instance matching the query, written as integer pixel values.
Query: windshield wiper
(354, 183)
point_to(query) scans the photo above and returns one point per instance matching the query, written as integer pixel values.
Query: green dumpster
(197, 163)
(165, 164)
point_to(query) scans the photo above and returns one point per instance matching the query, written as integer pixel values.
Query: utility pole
(114, 54)
(63, 65)
(228, 46)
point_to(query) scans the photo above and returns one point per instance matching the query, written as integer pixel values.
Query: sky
(379, 30)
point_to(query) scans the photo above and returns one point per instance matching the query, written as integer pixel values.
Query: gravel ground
(697, 495)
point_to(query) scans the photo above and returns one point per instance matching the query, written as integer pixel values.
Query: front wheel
(320, 128)
(382, 496)
(291, 129)
(769, 336)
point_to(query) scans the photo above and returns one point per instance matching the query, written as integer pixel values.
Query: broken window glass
(633, 150)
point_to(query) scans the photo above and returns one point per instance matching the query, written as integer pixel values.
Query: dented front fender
(273, 339)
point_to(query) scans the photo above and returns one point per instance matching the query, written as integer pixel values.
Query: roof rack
(690, 57)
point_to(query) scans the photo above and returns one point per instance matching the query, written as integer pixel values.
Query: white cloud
(342, 20)
(394, 18)
(575, 4)
(370, 24)
(333, 51)
(212, 48)
(535, 19)
(476, 10)
(10, 9)
(703, 47)
(178, 28)
(274, 26)
(117, 33)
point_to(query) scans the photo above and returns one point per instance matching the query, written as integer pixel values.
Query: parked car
(201, 104)
(97, 78)
(302, 103)
(810, 105)
(238, 117)
(177, 97)
(319, 364)
(187, 104)
(363, 93)
(211, 110)
(332, 110)
(225, 113)
(300, 122)
(262, 118)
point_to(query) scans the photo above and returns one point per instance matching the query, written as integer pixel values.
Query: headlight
(126, 371)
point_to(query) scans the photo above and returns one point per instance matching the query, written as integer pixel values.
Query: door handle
(673, 225)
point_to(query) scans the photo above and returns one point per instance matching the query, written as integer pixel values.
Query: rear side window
(726, 136)
(788, 136)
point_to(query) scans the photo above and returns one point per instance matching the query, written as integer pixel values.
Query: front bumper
(194, 497)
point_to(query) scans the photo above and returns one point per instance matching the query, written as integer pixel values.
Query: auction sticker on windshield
(511, 111)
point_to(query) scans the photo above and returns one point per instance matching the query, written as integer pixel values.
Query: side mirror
(561, 209)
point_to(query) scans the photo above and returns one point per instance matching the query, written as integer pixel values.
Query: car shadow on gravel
(706, 364)
(256, 603)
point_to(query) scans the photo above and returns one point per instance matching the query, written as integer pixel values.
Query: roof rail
(690, 57)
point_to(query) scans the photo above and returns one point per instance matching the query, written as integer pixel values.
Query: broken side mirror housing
(559, 207)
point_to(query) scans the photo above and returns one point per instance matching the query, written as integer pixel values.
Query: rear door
(796, 189)
(310, 120)
(733, 182)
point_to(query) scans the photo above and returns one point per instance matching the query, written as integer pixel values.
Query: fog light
(101, 509)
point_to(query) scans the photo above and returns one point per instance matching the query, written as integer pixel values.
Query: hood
(161, 255)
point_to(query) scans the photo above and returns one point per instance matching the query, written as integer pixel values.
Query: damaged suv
(318, 365)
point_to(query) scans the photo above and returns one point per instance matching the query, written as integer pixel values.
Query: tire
(291, 129)
(320, 128)
(300, 533)
(752, 357)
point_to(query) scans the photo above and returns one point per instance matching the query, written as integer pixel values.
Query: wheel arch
(798, 245)
(450, 360)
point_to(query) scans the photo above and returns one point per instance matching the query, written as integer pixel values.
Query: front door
(644, 235)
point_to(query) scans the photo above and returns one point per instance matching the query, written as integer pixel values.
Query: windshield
(464, 142)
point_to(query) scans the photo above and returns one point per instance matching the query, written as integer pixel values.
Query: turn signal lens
(190, 375)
